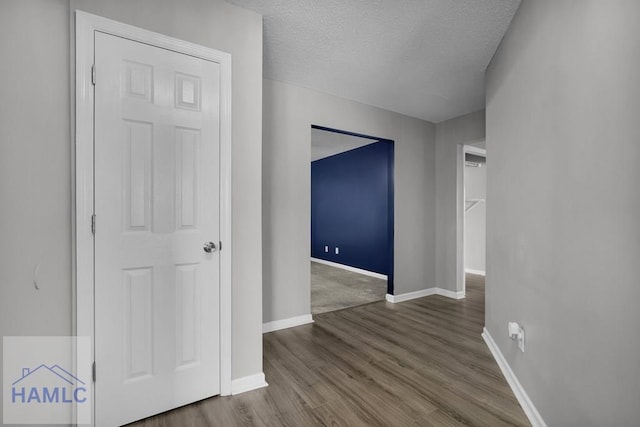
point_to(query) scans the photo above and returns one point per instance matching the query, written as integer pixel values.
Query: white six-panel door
(156, 204)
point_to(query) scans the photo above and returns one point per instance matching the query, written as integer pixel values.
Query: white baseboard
(411, 295)
(450, 294)
(424, 293)
(478, 272)
(251, 382)
(276, 325)
(349, 268)
(527, 405)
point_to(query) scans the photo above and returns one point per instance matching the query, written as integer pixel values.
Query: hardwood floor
(417, 363)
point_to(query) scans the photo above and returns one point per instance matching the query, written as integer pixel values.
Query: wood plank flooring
(417, 363)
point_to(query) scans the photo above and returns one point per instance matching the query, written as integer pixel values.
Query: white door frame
(86, 26)
(463, 149)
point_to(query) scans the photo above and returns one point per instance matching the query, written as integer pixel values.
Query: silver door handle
(210, 247)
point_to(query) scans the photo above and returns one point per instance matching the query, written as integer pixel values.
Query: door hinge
(219, 246)
(93, 224)
(93, 372)
(93, 74)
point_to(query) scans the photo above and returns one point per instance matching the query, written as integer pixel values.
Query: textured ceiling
(422, 58)
(326, 143)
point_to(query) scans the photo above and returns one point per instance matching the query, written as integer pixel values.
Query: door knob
(210, 247)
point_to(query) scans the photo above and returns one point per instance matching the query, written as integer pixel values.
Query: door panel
(156, 204)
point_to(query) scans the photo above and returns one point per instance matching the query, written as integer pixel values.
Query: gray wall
(563, 237)
(35, 168)
(36, 152)
(475, 223)
(289, 112)
(450, 136)
(35, 171)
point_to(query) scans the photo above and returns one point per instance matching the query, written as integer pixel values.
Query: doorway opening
(351, 219)
(472, 172)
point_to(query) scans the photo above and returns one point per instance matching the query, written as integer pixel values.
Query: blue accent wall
(352, 208)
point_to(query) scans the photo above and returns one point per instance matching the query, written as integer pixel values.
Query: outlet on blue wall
(352, 208)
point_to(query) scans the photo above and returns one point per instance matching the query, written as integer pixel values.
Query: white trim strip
(425, 293)
(276, 325)
(450, 294)
(349, 268)
(523, 398)
(248, 383)
(411, 295)
(478, 272)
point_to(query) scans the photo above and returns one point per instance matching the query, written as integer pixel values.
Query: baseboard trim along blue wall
(352, 208)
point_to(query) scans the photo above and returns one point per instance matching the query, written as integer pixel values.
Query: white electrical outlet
(326, 248)
(516, 333)
(337, 250)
